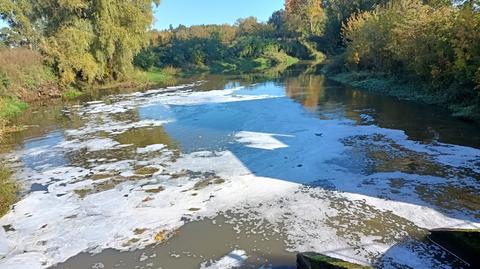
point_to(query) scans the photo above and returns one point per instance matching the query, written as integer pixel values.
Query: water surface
(233, 172)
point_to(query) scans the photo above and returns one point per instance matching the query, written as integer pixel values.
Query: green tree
(466, 46)
(83, 40)
(279, 23)
(432, 43)
(338, 12)
(305, 17)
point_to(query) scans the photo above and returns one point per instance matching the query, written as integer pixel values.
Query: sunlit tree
(82, 40)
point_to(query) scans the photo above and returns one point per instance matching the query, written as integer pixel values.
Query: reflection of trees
(38, 121)
(317, 93)
(307, 89)
(142, 137)
(138, 137)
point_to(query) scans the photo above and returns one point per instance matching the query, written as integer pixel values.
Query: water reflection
(142, 137)
(420, 122)
(136, 153)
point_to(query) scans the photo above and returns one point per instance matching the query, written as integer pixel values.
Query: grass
(8, 190)
(156, 76)
(71, 94)
(22, 69)
(10, 107)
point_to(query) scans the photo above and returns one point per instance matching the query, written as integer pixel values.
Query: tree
(429, 42)
(247, 26)
(279, 23)
(466, 46)
(338, 12)
(305, 17)
(83, 40)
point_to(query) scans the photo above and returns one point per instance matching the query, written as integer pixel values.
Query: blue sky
(190, 12)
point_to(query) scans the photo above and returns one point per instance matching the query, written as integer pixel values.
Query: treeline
(305, 29)
(246, 46)
(435, 44)
(431, 46)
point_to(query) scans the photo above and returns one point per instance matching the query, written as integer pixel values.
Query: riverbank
(405, 90)
(8, 190)
(15, 99)
(25, 80)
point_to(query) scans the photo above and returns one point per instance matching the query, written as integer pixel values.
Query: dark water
(337, 143)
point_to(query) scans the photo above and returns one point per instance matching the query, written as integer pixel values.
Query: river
(227, 172)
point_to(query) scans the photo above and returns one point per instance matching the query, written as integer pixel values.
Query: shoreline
(404, 91)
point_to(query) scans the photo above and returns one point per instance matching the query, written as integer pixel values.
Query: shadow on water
(213, 127)
(293, 157)
(420, 122)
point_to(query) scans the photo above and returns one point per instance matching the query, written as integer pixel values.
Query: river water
(231, 172)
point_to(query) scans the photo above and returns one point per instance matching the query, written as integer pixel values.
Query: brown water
(197, 243)
(359, 164)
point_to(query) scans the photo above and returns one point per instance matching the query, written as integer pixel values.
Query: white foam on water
(150, 148)
(91, 145)
(234, 259)
(283, 150)
(261, 140)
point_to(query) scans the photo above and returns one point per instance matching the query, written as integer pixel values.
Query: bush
(435, 46)
(336, 65)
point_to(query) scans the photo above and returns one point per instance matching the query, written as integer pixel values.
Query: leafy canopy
(83, 40)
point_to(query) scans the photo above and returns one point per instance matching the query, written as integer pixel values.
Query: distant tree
(247, 26)
(305, 17)
(279, 23)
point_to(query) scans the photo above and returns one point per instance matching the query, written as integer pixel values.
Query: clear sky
(190, 12)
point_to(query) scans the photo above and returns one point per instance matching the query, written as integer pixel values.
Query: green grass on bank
(71, 94)
(8, 190)
(10, 107)
(269, 60)
(157, 76)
